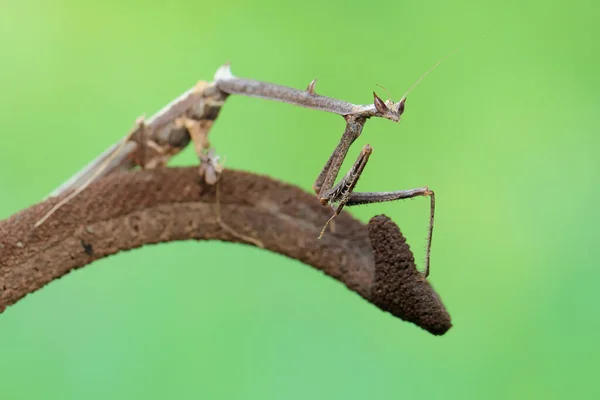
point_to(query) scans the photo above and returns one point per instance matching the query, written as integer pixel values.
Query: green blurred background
(505, 131)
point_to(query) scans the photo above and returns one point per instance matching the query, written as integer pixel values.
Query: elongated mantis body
(190, 116)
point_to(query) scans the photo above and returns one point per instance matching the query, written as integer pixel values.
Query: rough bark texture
(131, 209)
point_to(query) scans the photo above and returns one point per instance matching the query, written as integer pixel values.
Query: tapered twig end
(398, 287)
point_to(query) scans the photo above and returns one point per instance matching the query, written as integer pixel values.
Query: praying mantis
(153, 141)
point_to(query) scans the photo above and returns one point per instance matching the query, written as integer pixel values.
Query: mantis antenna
(434, 66)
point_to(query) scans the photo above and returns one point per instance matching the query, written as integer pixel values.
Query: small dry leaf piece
(398, 287)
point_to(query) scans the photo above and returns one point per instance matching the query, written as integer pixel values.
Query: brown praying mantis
(154, 141)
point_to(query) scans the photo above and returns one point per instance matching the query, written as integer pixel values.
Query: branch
(127, 210)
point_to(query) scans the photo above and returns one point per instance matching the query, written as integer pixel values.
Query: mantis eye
(379, 104)
(401, 106)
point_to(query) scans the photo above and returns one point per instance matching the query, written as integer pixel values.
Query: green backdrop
(506, 131)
